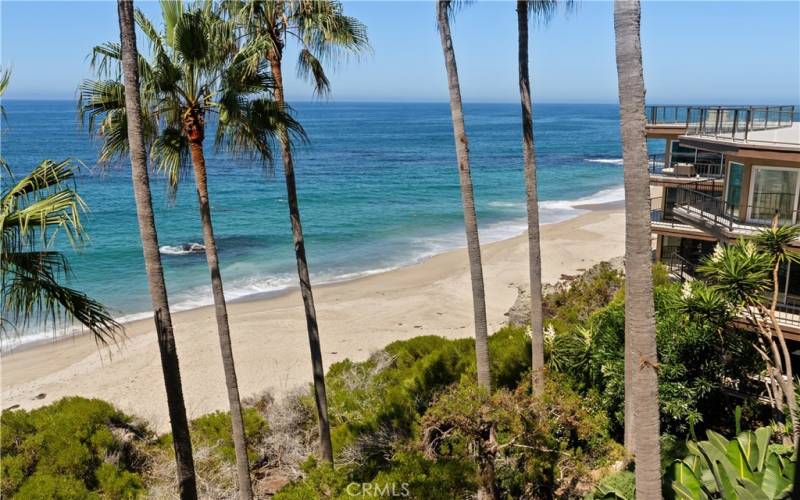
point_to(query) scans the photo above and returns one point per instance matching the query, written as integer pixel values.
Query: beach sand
(269, 335)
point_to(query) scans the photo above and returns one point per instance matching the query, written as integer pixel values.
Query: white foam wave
(611, 161)
(506, 204)
(183, 249)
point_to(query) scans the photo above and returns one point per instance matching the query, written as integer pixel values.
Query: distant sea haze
(378, 189)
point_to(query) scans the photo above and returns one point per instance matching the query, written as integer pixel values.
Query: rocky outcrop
(520, 312)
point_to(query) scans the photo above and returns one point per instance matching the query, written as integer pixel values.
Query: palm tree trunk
(223, 329)
(326, 448)
(467, 199)
(639, 308)
(170, 367)
(534, 247)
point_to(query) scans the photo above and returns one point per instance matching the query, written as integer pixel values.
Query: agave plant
(745, 467)
(34, 210)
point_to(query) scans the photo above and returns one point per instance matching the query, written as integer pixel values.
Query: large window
(773, 191)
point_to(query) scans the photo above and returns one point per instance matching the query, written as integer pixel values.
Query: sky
(731, 52)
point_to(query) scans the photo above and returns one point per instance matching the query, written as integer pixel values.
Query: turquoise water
(378, 189)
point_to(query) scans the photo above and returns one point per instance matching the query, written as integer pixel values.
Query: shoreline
(43, 338)
(357, 317)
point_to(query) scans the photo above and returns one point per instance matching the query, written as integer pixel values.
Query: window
(734, 187)
(774, 191)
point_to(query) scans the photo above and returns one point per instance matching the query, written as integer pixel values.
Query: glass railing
(726, 215)
(725, 122)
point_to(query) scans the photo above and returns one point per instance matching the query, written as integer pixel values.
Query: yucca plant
(745, 467)
(199, 69)
(747, 275)
(34, 212)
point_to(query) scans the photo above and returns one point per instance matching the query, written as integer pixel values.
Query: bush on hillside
(73, 448)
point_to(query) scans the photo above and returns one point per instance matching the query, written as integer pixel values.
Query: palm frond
(171, 11)
(452, 7)
(5, 77)
(191, 38)
(249, 128)
(544, 10)
(96, 98)
(33, 211)
(327, 32)
(170, 156)
(309, 66)
(31, 291)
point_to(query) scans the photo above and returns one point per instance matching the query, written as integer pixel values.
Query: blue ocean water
(378, 189)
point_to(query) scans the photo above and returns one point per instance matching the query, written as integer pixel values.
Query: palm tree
(444, 9)
(198, 69)
(323, 32)
(182, 443)
(33, 211)
(543, 10)
(641, 389)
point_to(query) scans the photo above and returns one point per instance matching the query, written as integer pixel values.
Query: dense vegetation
(412, 417)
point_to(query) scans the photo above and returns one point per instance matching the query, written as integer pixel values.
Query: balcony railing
(678, 266)
(725, 122)
(686, 169)
(727, 216)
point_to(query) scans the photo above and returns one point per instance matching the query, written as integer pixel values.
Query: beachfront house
(725, 172)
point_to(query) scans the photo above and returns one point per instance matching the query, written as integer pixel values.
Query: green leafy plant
(745, 467)
(34, 210)
(73, 448)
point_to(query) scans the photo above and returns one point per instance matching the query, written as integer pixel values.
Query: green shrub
(695, 358)
(214, 431)
(618, 486)
(68, 450)
(575, 301)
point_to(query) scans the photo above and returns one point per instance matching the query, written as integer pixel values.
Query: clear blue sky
(694, 52)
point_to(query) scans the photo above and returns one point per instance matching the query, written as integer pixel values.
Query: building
(724, 173)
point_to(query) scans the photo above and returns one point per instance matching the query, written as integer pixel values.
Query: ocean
(378, 189)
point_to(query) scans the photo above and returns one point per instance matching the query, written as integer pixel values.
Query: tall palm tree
(322, 32)
(152, 258)
(34, 210)
(542, 10)
(444, 9)
(640, 326)
(198, 69)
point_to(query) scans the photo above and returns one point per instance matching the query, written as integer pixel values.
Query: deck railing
(726, 215)
(687, 169)
(678, 266)
(726, 122)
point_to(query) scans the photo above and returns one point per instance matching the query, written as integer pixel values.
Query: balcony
(724, 220)
(662, 221)
(686, 168)
(766, 126)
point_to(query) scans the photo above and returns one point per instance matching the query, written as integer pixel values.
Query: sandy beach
(269, 336)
